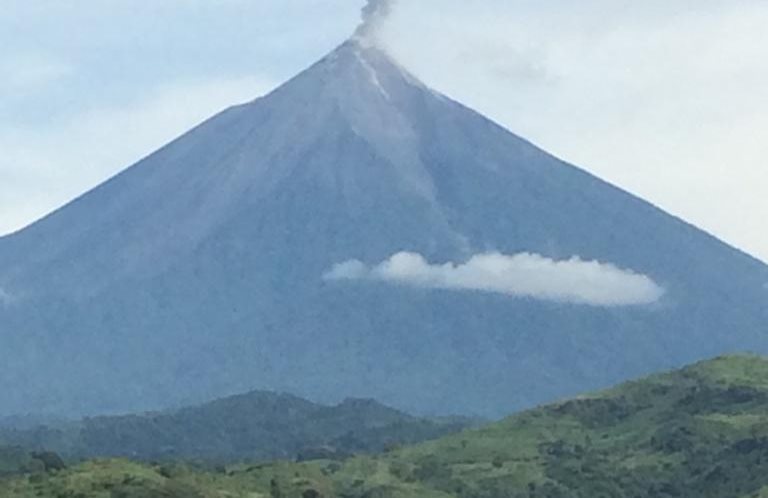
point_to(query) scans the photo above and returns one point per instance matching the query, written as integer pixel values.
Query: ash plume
(373, 14)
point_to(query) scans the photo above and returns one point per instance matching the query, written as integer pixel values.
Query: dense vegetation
(698, 432)
(253, 426)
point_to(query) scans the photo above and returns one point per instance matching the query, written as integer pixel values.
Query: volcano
(357, 234)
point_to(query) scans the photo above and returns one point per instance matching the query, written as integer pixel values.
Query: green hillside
(698, 432)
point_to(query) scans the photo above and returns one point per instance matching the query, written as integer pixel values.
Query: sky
(668, 100)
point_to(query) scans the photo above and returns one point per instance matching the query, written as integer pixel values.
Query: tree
(50, 460)
(274, 489)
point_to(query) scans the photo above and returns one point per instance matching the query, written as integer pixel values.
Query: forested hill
(254, 426)
(698, 432)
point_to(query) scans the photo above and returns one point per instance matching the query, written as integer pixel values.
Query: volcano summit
(357, 234)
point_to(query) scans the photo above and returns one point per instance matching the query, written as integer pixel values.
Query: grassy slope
(698, 432)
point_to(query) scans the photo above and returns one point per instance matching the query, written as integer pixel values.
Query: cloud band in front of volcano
(523, 275)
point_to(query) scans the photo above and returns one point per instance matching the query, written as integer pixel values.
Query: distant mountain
(253, 426)
(29, 421)
(701, 432)
(357, 234)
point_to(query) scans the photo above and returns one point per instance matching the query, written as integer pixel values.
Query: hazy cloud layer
(521, 275)
(26, 73)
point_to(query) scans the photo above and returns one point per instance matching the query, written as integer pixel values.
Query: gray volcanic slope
(198, 272)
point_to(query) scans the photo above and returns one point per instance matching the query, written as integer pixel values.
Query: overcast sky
(666, 99)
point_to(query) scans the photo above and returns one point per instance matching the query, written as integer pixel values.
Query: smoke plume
(373, 14)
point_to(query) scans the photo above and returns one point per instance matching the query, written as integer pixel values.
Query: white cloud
(43, 168)
(520, 275)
